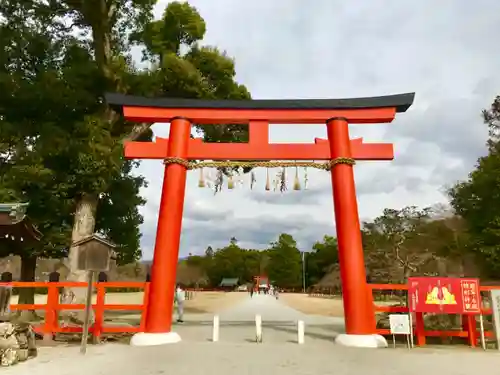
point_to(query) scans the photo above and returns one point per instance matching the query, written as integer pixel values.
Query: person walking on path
(180, 297)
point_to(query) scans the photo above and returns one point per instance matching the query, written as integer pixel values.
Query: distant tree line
(458, 239)
(397, 244)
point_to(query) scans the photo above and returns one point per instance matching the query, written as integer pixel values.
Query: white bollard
(215, 331)
(300, 332)
(258, 328)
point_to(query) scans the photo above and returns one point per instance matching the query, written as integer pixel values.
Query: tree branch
(136, 132)
(111, 9)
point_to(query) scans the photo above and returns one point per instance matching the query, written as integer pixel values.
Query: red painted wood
(51, 326)
(272, 116)
(358, 311)
(168, 234)
(258, 150)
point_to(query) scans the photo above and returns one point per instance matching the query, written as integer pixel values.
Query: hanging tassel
(306, 179)
(219, 181)
(253, 180)
(241, 181)
(283, 186)
(296, 181)
(276, 180)
(230, 182)
(268, 185)
(201, 181)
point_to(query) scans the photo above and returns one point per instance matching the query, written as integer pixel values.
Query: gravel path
(279, 322)
(236, 352)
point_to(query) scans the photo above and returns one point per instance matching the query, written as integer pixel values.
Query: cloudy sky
(442, 50)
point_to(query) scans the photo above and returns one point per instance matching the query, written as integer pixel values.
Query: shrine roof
(399, 101)
(15, 212)
(229, 282)
(14, 223)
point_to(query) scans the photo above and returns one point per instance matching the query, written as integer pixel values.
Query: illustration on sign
(440, 296)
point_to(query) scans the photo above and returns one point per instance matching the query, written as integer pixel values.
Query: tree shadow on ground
(314, 335)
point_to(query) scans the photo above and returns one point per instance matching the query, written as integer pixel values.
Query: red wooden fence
(469, 326)
(52, 307)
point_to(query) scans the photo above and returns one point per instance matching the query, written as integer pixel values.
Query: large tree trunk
(83, 226)
(27, 295)
(98, 15)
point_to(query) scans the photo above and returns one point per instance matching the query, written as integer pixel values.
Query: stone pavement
(279, 323)
(237, 353)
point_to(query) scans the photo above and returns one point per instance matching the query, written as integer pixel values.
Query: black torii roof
(400, 101)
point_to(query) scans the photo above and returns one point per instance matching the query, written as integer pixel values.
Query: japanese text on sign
(470, 296)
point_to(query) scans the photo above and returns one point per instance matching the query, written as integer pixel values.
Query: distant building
(229, 284)
(261, 282)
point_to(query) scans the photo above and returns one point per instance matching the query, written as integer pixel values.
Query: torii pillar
(339, 149)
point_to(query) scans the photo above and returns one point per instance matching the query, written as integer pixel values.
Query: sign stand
(94, 255)
(410, 317)
(481, 327)
(88, 306)
(410, 338)
(495, 307)
(400, 325)
(445, 295)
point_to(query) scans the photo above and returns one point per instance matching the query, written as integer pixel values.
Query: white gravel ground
(236, 353)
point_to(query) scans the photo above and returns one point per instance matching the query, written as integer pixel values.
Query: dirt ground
(210, 302)
(203, 302)
(314, 305)
(321, 306)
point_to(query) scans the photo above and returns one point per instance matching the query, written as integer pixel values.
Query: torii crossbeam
(258, 114)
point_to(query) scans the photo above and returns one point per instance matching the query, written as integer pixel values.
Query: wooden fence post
(469, 325)
(420, 328)
(51, 317)
(99, 313)
(144, 311)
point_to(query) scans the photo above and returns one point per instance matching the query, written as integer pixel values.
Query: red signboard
(444, 295)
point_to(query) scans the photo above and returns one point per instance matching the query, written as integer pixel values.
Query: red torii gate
(179, 148)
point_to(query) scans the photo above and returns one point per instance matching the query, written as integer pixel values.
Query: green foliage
(477, 199)
(397, 244)
(181, 25)
(58, 141)
(54, 149)
(233, 262)
(28, 72)
(118, 216)
(285, 264)
(184, 69)
(320, 260)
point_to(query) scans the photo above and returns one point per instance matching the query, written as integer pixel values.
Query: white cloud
(331, 48)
